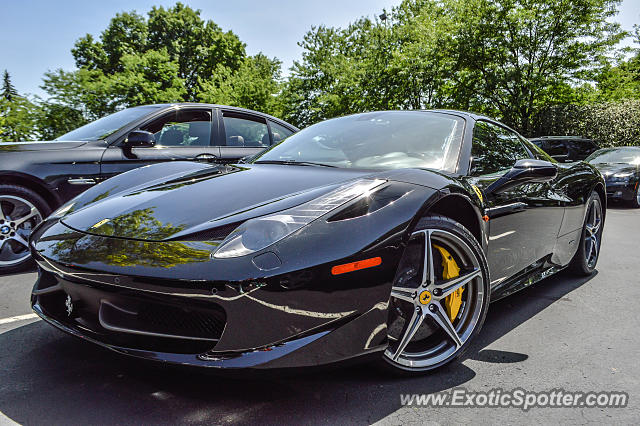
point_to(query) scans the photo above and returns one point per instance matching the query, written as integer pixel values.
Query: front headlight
(259, 233)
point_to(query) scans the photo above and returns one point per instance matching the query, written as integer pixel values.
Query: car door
(242, 135)
(523, 220)
(180, 134)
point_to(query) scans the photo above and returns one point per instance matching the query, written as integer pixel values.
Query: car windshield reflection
(377, 140)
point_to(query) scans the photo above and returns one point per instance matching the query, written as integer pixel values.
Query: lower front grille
(162, 320)
(133, 319)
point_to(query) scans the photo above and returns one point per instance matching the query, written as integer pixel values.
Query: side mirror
(139, 138)
(525, 171)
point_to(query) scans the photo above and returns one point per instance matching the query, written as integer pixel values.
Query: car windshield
(629, 155)
(376, 140)
(106, 126)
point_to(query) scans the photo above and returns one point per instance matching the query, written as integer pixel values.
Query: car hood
(207, 198)
(609, 169)
(38, 146)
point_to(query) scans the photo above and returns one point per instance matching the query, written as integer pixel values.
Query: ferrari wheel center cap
(425, 297)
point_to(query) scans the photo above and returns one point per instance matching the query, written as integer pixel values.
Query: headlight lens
(259, 233)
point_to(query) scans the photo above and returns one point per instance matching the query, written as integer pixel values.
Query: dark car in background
(621, 170)
(566, 149)
(38, 177)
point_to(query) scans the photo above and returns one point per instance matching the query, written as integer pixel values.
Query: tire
(585, 260)
(20, 210)
(418, 300)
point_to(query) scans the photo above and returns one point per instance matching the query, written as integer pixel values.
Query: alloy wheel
(592, 232)
(422, 335)
(18, 217)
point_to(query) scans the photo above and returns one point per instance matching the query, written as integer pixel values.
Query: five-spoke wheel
(586, 257)
(592, 232)
(434, 311)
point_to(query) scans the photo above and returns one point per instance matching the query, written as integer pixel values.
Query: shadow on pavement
(620, 205)
(26, 270)
(49, 377)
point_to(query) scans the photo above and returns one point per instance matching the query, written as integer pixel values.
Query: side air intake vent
(214, 234)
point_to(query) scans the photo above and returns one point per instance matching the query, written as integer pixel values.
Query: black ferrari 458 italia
(383, 234)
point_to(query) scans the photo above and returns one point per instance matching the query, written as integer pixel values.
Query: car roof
(468, 114)
(616, 148)
(562, 138)
(232, 108)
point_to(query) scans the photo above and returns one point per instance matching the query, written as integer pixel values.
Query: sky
(37, 35)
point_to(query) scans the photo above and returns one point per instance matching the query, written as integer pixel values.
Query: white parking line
(17, 318)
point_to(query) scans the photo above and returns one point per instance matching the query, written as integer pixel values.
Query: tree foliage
(171, 55)
(8, 90)
(17, 114)
(609, 123)
(507, 58)
(515, 60)
(17, 119)
(622, 80)
(254, 85)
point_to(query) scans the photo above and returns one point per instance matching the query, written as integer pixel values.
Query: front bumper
(130, 297)
(625, 191)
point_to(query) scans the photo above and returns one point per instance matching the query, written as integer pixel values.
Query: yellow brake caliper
(450, 270)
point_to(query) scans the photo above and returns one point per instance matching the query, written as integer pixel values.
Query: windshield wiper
(293, 163)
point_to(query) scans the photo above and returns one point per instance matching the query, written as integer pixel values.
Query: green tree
(17, 119)
(622, 81)
(171, 55)
(17, 113)
(520, 52)
(8, 90)
(256, 85)
(506, 58)
(53, 120)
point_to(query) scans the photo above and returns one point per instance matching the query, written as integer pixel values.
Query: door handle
(81, 181)
(205, 157)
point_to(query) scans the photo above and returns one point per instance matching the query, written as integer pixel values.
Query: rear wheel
(586, 258)
(20, 211)
(439, 297)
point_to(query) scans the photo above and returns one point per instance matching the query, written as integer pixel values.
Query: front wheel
(20, 211)
(439, 298)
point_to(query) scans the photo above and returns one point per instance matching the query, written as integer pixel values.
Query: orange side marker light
(485, 218)
(355, 266)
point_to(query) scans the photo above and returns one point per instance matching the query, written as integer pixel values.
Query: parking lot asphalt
(576, 334)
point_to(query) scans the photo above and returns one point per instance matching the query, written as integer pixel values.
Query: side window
(191, 127)
(494, 150)
(583, 148)
(557, 148)
(243, 130)
(279, 132)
